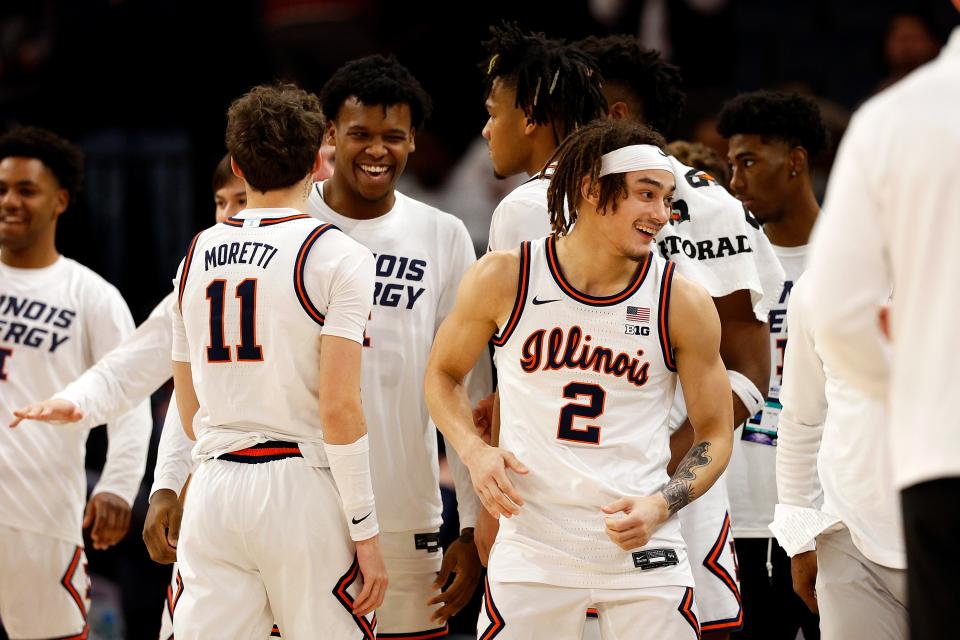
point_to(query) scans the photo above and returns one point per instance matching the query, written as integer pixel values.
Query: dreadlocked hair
(653, 82)
(555, 83)
(580, 157)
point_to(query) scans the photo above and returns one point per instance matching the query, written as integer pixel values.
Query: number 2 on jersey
(597, 397)
(248, 350)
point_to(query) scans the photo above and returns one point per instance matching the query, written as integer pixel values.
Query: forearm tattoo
(679, 491)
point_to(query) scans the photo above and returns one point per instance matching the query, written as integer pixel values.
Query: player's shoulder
(497, 271)
(531, 192)
(427, 214)
(83, 277)
(689, 298)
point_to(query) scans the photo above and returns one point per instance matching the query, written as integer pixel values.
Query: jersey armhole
(663, 316)
(523, 284)
(186, 270)
(299, 270)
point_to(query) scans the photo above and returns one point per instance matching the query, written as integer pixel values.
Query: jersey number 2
(597, 397)
(248, 350)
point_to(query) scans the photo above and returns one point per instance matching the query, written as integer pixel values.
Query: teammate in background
(715, 243)
(281, 522)
(538, 91)
(855, 578)
(774, 137)
(556, 310)
(374, 108)
(57, 318)
(699, 156)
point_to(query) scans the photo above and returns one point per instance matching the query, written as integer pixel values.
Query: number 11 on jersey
(248, 350)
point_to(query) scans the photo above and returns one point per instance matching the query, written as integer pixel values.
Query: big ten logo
(636, 330)
(397, 294)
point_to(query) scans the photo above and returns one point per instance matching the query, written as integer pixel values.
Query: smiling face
(505, 132)
(760, 174)
(640, 215)
(372, 144)
(31, 200)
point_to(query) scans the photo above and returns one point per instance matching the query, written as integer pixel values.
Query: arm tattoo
(679, 491)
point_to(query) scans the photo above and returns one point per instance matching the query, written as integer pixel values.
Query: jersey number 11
(248, 350)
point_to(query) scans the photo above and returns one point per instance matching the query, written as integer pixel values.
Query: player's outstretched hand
(803, 568)
(484, 534)
(374, 573)
(109, 515)
(641, 518)
(460, 559)
(488, 470)
(52, 410)
(483, 417)
(161, 529)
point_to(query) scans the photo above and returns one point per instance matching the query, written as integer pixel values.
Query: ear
(590, 191)
(330, 136)
(63, 200)
(413, 140)
(317, 162)
(529, 126)
(799, 162)
(619, 111)
(236, 169)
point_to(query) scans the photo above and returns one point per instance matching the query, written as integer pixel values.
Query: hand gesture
(461, 560)
(374, 573)
(53, 410)
(161, 529)
(488, 470)
(643, 515)
(109, 515)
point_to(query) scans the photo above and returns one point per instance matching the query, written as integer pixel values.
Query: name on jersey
(33, 323)
(571, 349)
(778, 316)
(255, 253)
(394, 294)
(705, 249)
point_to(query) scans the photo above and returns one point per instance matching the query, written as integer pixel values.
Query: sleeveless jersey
(586, 386)
(255, 294)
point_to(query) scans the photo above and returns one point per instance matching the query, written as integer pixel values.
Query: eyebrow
(657, 183)
(742, 154)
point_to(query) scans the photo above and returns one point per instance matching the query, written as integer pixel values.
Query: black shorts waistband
(264, 452)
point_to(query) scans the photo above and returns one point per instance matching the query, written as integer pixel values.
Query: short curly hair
(653, 81)
(700, 156)
(581, 155)
(376, 80)
(555, 82)
(63, 158)
(273, 134)
(790, 117)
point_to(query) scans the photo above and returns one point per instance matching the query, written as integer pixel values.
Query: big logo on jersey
(571, 349)
(394, 294)
(33, 323)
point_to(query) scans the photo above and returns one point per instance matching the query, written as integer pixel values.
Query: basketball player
(774, 138)
(281, 522)
(538, 91)
(56, 318)
(588, 504)
(374, 107)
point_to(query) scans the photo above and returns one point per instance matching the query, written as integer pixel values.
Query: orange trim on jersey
(263, 222)
(259, 453)
(686, 610)
(417, 635)
(663, 316)
(67, 582)
(186, 270)
(83, 635)
(275, 632)
(593, 613)
(298, 273)
(496, 620)
(711, 562)
(523, 284)
(596, 301)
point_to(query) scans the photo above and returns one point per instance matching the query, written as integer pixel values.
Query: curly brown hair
(273, 134)
(700, 156)
(580, 156)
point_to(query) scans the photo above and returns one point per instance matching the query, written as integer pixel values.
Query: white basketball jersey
(586, 386)
(256, 293)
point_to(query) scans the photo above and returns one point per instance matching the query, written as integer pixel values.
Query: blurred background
(143, 86)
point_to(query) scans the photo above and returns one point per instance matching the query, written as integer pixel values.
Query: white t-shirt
(751, 474)
(54, 323)
(828, 424)
(420, 256)
(256, 294)
(891, 220)
(522, 215)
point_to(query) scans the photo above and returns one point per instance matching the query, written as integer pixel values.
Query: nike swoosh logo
(535, 301)
(355, 521)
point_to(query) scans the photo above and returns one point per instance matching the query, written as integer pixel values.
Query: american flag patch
(638, 314)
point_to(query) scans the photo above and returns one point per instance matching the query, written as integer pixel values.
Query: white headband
(636, 157)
